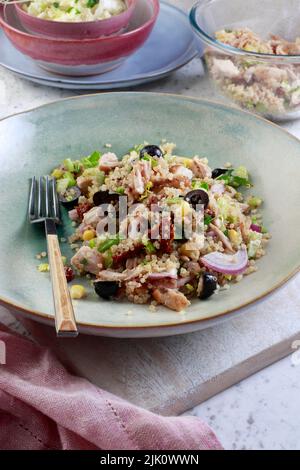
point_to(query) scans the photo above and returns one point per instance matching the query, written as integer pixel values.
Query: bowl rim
(128, 34)
(230, 49)
(44, 317)
(18, 6)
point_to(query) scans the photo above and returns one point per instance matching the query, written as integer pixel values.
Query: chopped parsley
(207, 219)
(120, 190)
(107, 244)
(200, 185)
(150, 248)
(148, 158)
(92, 243)
(236, 178)
(108, 260)
(91, 3)
(91, 160)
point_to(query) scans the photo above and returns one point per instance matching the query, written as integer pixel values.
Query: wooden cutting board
(171, 375)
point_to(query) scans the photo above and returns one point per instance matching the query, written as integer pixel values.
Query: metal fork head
(43, 200)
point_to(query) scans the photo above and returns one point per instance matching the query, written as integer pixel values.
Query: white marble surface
(261, 412)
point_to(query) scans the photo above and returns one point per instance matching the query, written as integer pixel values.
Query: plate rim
(138, 80)
(181, 322)
(191, 52)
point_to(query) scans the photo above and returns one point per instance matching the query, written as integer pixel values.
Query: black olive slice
(106, 289)
(152, 151)
(218, 172)
(197, 196)
(105, 197)
(70, 197)
(207, 285)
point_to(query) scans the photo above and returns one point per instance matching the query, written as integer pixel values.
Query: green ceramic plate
(33, 142)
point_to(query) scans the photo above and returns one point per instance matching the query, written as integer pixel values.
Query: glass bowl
(266, 84)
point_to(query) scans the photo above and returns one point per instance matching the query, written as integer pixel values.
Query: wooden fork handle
(65, 322)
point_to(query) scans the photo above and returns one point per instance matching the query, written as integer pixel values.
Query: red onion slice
(163, 275)
(226, 263)
(255, 228)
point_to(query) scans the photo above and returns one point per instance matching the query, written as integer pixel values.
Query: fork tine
(40, 197)
(56, 208)
(47, 198)
(31, 203)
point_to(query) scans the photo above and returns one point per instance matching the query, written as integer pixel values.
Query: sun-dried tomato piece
(120, 259)
(166, 245)
(69, 274)
(82, 209)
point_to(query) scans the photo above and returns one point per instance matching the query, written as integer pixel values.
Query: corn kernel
(77, 292)
(255, 202)
(188, 162)
(88, 235)
(234, 237)
(189, 287)
(149, 185)
(43, 268)
(186, 208)
(57, 173)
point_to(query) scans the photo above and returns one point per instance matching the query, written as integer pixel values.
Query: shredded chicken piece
(92, 217)
(170, 298)
(84, 183)
(127, 275)
(87, 260)
(244, 232)
(139, 177)
(180, 170)
(244, 207)
(177, 181)
(108, 161)
(193, 267)
(222, 237)
(192, 247)
(272, 76)
(225, 67)
(281, 46)
(200, 169)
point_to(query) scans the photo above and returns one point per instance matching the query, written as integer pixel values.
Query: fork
(44, 207)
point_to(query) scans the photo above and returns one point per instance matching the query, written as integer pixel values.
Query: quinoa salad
(162, 265)
(265, 87)
(74, 10)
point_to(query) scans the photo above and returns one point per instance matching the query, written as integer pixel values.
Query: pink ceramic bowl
(86, 56)
(82, 30)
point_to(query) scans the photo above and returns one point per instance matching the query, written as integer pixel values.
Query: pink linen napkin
(42, 406)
